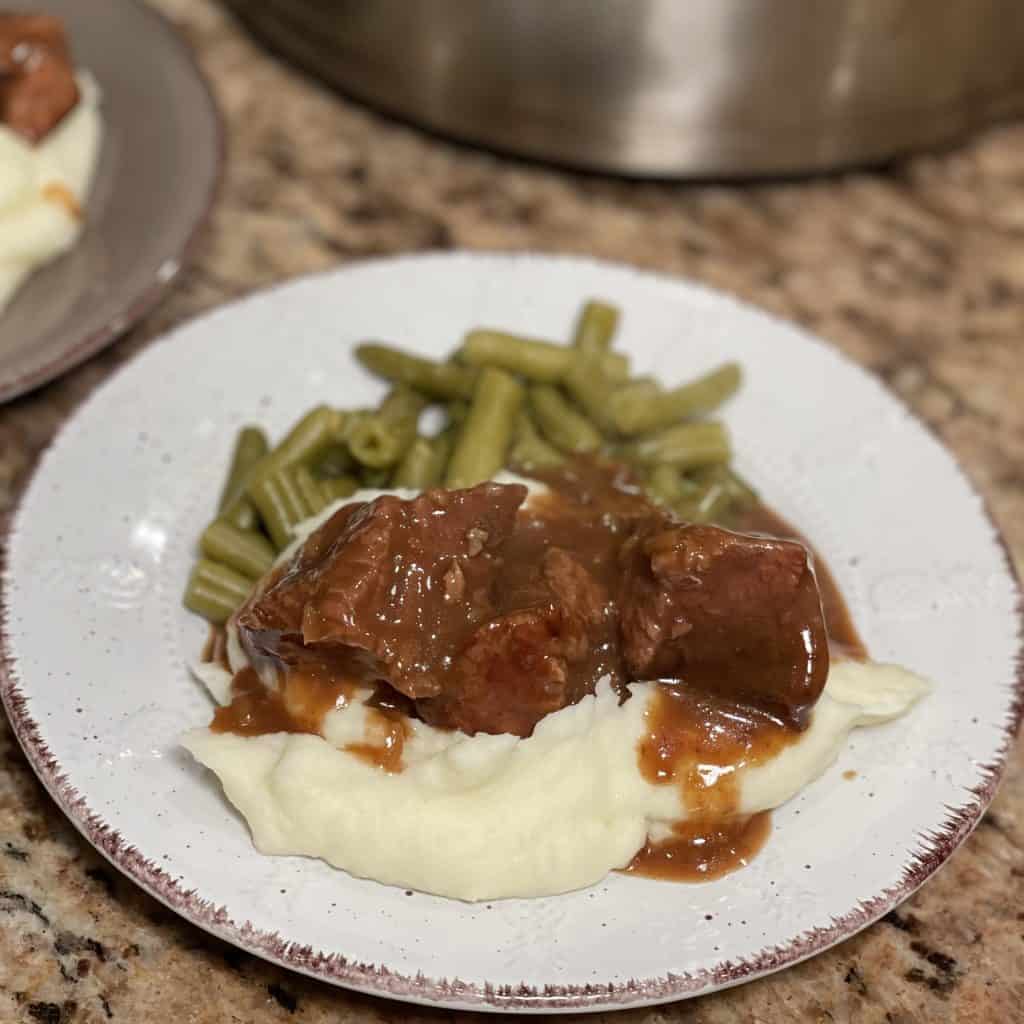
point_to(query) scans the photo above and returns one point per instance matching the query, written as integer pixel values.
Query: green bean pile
(509, 401)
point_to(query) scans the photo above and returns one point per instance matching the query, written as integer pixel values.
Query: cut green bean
(686, 446)
(438, 380)
(245, 551)
(485, 436)
(711, 504)
(305, 443)
(376, 479)
(633, 414)
(335, 461)
(378, 443)
(529, 450)
(242, 514)
(540, 361)
(313, 496)
(615, 366)
(591, 389)
(250, 446)
(379, 440)
(240, 511)
(349, 421)
(665, 484)
(424, 463)
(637, 391)
(338, 487)
(403, 403)
(281, 504)
(537, 360)
(456, 413)
(561, 424)
(215, 591)
(740, 494)
(596, 327)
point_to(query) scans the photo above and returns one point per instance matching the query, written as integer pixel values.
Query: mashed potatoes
(487, 817)
(43, 190)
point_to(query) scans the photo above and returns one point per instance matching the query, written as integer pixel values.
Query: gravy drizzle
(386, 733)
(699, 851)
(689, 739)
(702, 744)
(215, 650)
(300, 707)
(698, 742)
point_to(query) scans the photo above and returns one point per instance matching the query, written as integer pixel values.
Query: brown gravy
(215, 650)
(698, 742)
(702, 744)
(701, 851)
(299, 706)
(689, 739)
(386, 734)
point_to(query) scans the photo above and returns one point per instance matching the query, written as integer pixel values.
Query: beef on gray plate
(37, 77)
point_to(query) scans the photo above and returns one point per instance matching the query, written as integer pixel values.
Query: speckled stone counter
(917, 273)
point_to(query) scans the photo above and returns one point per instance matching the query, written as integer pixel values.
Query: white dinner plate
(95, 641)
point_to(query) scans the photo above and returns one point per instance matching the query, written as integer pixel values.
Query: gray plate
(159, 165)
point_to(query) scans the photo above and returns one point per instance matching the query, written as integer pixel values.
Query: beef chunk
(525, 663)
(397, 581)
(460, 607)
(739, 616)
(487, 618)
(37, 78)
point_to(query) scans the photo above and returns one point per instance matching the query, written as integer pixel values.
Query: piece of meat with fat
(394, 580)
(737, 615)
(449, 599)
(37, 78)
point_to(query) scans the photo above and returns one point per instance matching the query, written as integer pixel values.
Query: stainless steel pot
(722, 88)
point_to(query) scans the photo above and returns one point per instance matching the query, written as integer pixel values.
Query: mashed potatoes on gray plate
(492, 816)
(44, 188)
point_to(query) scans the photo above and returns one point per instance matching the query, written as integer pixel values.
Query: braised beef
(487, 616)
(525, 663)
(475, 617)
(37, 78)
(390, 586)
(735, 615)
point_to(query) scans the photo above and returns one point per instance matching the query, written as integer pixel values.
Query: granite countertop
(918, 273)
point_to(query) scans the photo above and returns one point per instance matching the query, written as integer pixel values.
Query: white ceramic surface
(96, 640)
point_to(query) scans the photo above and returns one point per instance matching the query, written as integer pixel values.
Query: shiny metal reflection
(669, 87)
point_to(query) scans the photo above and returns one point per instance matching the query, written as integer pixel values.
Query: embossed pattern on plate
(95, 641)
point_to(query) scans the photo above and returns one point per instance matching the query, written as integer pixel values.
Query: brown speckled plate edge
(19, 382)
(934, 850)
